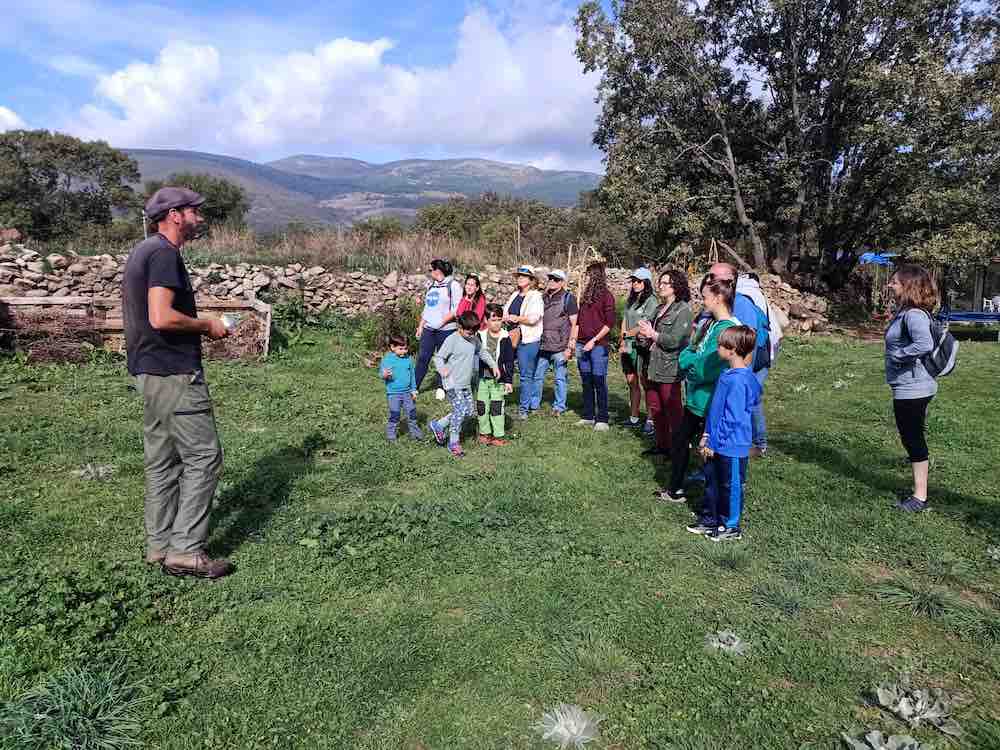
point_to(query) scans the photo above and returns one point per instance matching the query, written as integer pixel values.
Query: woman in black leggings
(907, 340)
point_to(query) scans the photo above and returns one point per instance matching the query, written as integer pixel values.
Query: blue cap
(642, 274)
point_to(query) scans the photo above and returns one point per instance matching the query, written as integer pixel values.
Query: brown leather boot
(196, 564)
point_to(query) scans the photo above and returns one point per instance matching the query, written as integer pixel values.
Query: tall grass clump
(78, 708)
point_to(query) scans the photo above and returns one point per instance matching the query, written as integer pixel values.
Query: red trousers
(664, 403)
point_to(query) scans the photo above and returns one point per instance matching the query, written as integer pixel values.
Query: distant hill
(329, 190)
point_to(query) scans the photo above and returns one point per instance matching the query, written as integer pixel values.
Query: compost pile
(51, 336)
(245, 341)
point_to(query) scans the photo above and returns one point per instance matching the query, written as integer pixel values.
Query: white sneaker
(601, 427)
(439, 394)
(585, 423)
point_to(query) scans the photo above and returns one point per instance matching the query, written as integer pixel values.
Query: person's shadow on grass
(872, 472)
(245, 508)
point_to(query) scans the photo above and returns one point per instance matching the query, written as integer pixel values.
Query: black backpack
(939, 361)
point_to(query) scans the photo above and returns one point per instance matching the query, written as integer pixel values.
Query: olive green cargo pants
(183, 460)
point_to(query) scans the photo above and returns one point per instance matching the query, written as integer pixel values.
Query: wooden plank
(42, 301)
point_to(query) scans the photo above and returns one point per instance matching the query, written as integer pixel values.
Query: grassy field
(389, 596)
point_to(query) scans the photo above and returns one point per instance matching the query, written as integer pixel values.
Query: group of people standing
(720, 357)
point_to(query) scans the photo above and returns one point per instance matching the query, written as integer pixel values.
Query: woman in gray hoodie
(907, 340)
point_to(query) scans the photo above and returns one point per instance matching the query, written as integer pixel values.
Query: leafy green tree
(225, 201)
(379, 229)
(53, 185)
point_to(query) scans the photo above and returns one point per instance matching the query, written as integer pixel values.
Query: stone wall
(25, 273)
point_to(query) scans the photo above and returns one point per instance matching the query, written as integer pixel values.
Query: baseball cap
(168, 198)
(525, 271)
(642, 274)
(558, 274)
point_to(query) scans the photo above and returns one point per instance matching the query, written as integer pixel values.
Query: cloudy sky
(371, 79)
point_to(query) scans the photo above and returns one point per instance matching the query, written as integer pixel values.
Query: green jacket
(673, 329)
(702, 365)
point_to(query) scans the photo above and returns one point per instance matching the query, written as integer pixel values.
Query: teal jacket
(702, 364)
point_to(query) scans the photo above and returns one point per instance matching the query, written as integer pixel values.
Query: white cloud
(514, 90)
(9, 120)
(74, 65)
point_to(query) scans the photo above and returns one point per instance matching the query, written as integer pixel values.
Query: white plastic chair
(988, 305)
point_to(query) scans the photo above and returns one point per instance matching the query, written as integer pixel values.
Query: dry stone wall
(25, 273)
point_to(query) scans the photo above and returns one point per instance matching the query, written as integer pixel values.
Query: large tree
(53, 185)
(792, 123)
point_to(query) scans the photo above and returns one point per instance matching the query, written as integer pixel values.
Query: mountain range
(332, 190)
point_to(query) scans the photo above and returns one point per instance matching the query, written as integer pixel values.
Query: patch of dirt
(974, 597)
(458, 613)
(842, 603)
(782, 684)
(883, 652)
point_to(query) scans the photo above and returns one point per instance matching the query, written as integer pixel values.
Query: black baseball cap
(166, 199)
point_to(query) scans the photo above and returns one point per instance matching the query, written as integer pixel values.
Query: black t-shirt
(156, 262)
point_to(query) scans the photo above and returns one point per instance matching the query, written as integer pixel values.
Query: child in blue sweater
(397, 371)
(728, 436)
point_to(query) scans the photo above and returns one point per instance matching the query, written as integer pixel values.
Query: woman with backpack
(437, 320)
(523, 317)
(908, 340)
(633, 348)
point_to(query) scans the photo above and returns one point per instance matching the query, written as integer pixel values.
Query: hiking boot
(601, 427)
(485, 440)
(585, 423)
(498, 442)
(155, 558)
(196, 564)
(724, 534)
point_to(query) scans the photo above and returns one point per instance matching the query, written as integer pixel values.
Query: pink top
(480, 309)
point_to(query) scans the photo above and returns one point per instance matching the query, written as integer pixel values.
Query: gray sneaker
(585, 423)
(601, 427)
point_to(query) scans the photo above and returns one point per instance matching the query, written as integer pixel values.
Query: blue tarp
(881, 259)
(958, 316)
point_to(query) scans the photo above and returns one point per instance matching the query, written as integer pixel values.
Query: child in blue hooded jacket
(728, 437)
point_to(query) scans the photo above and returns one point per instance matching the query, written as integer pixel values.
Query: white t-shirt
(533, 306)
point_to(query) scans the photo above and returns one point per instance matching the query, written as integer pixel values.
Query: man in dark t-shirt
(183, 455)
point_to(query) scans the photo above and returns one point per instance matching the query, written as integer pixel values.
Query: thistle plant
(570, 726)
(916, 707)
(875, 740)
(95, 472)
(993, 553)
(727, 642)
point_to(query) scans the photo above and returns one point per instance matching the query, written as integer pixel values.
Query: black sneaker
(630, 424)
(700, 527)
(912, 505)
(723, 534)
(673, 496)
(654, 451)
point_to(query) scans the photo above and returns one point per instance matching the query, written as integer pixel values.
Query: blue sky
(262, 80)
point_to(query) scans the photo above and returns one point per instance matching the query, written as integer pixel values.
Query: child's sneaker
(724, 534)
(485, 440)
(456, 451)
(439, 437)
(498, 442)
(912, 505)
(700, 527)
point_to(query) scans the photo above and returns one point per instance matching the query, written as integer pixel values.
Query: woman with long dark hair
(595, 320)
(702, 367)
(668, 334)
(473, 300)
(634, 349)
(907, 339)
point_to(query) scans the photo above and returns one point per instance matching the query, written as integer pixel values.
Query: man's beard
(193, 231)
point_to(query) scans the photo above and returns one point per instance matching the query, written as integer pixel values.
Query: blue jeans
(558, 360)
(398, 403)
(430, 341)
(723, 501)
(759, 423)
(594, 374)
(527, 354)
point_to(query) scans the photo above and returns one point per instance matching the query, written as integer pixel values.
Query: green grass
(389, 596)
